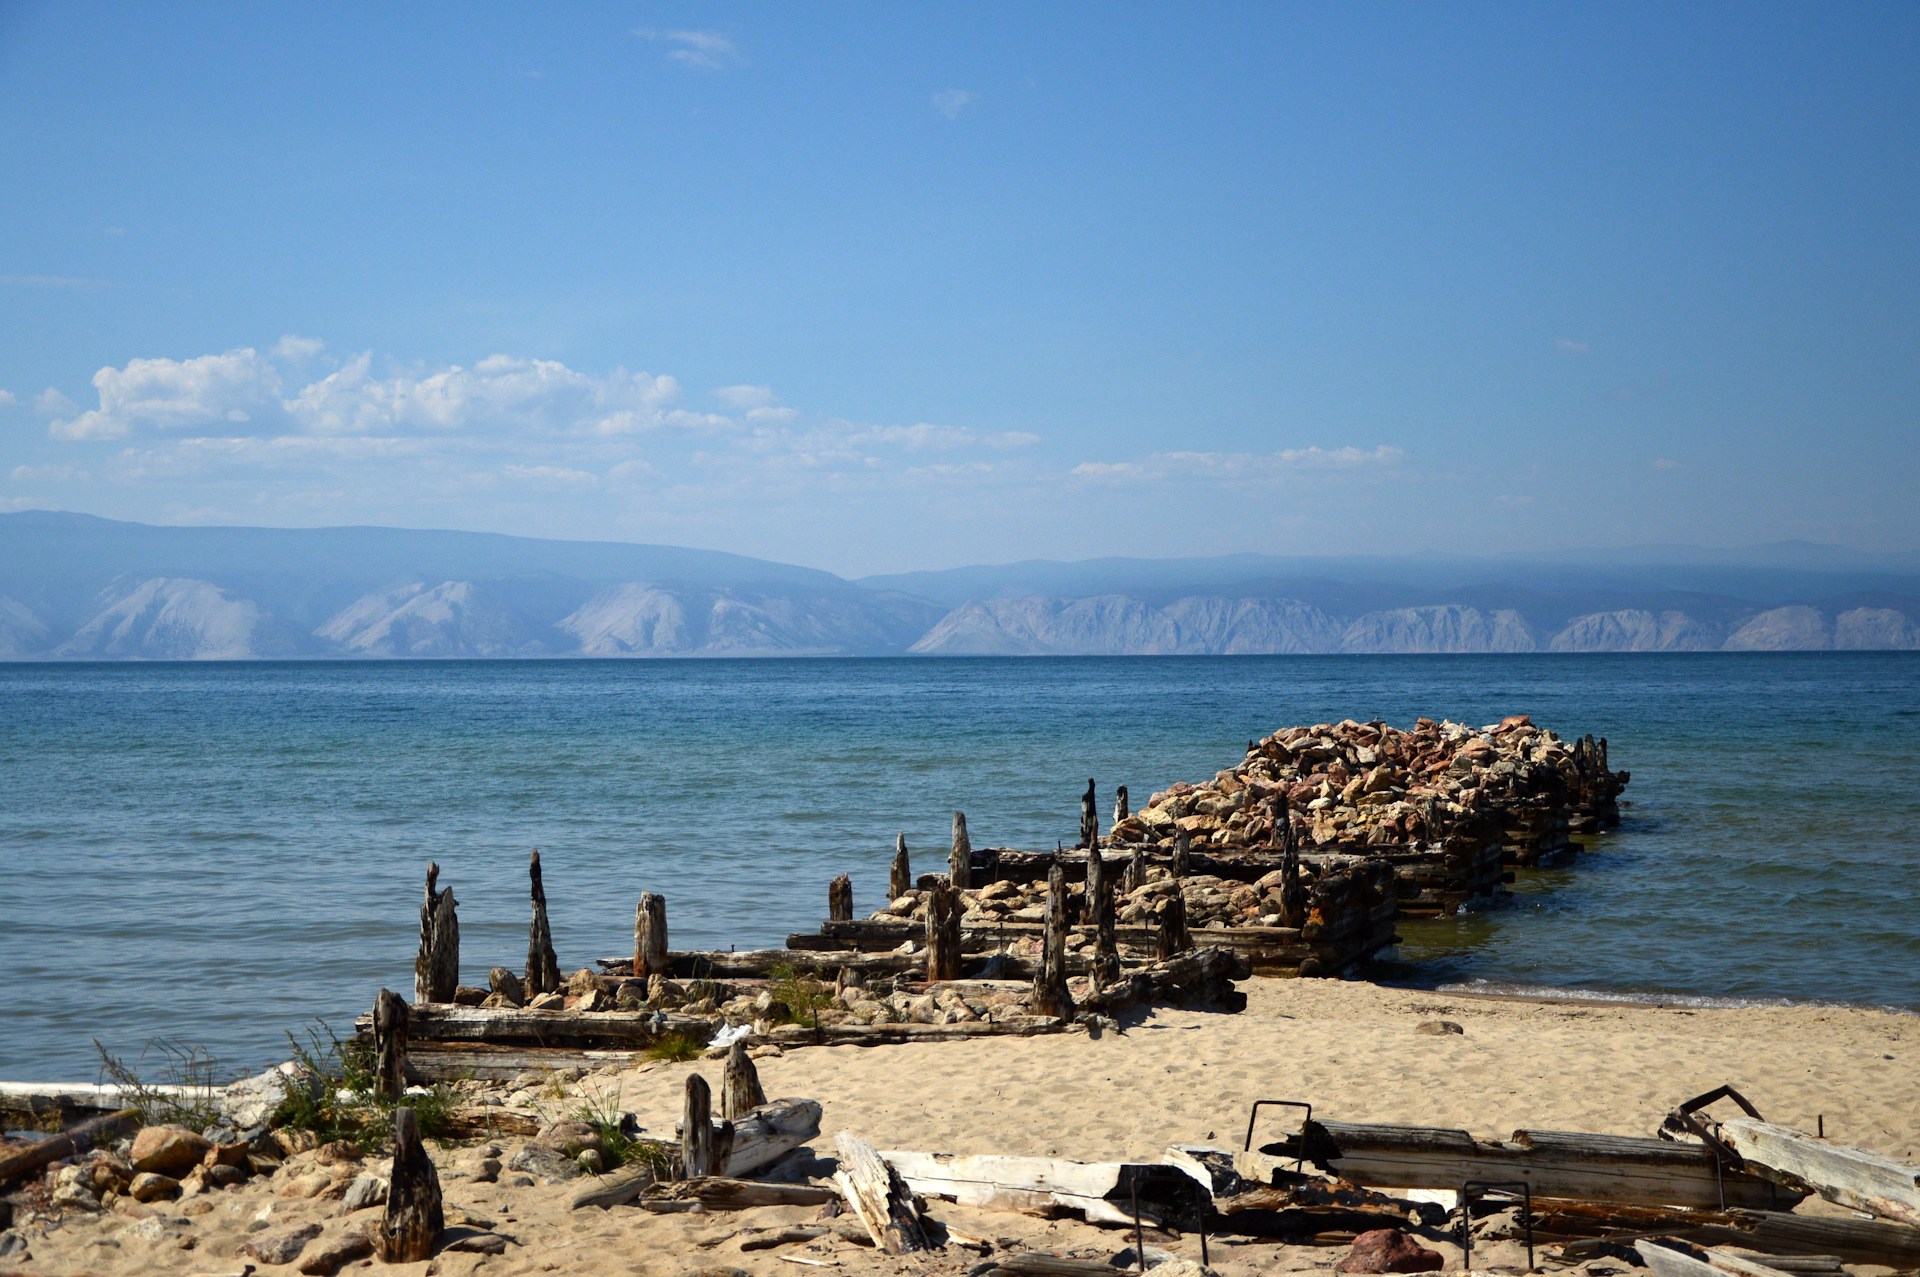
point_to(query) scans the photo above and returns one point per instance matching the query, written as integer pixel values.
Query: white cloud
(298, 349)
(6, 399)
(707, 50)
(167, 394)
(1238, 466)
(741, 398)
(48, 474)
(51, 403)
(552, 474)
(950, 102)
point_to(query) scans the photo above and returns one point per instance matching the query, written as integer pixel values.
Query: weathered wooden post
(1120, 812)
(1050, 996)
(740, 1091)
(1090, 817)
(696, 1130)
(1136, 871)
(902, 880)
(414, 1218)
(436, 970)
(1182, 850)
(840, 899)
(1106, 948)
(1173, 937)
(543, 968)
(389, 1046)
(960, 859)
(1293, 892)
(650, 935)
(943, 932)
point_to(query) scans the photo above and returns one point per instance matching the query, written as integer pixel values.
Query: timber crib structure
(1296, 862)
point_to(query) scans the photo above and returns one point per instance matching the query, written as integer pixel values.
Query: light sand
(1180, 1077)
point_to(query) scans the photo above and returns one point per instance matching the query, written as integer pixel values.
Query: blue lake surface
(214, 854)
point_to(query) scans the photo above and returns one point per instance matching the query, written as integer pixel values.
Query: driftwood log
(389, 1045)
(901, 880)
(414, 1219)
(878, 1196)
(840, 899)
(650, 935)
(1199, 978)
(1102, 1191)
(943, 932)
(740, 1091)
(697, 1134)
(436, 970)
(760, 1138)
(1050, 996)
(17, 1162)
(717, 1192)
(1847, 1176)
(960, 859)
(543, 968)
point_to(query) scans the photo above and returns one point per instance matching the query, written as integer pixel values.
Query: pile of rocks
(1210, 902)
(1354, 784)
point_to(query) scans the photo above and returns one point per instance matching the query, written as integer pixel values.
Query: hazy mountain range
(75, 587)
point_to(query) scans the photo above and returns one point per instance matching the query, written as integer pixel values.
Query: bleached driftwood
(1102, 1191)
(1854, 1177)
(875, 1191)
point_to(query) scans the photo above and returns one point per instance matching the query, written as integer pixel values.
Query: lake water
(215, 854)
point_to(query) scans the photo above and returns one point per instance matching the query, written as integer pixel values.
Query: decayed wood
(1120, 812)
(1090, 817)
(878, 1196)
(1102, 1191)
(740, 1091)
(615, 1187)
(414, 1219)
(436, 970)
(1182, 866)
(718, 1192)
(389, 1045)
(1857, 1241)
(840, 899)
(960, 859)
(1172, 934)
(1050, 996)
(943, 932)
(768, 1133)
(696, 1129)
(650, 935)
(1596, 1168)
(1136, 871)
(1200, 978)
(901, 881)
(1104, 968)
(1854, 1177)
(24, 1161)
(543, 968)
(1020, 1026)
(1033, 1263)
(505, 1025)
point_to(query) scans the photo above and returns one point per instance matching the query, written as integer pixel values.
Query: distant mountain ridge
(75, 587)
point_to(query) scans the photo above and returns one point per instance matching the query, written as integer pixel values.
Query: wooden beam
(873, 1188)
(1848, 1176)
(1102, 1191)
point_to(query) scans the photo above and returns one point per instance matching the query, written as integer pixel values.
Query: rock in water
(1388, 1250)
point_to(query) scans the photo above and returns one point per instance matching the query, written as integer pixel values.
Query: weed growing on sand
(803, 996)
(616, 1145)
(187, 1097)
(674, 1047)
(332, 1095)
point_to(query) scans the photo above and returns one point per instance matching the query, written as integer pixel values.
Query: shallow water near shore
(214, 854)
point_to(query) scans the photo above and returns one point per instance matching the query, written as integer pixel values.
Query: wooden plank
(1597, 1168)
(720, 1192)
(1847, 1176)
(443, 1023)
(1102, 1191)
(1858, 1241)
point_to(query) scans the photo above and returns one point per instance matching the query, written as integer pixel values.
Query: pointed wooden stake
(960, 859)
(1050, 996)
(1090, 817)
(1182, 849)
(696, 1130)
(943, 932)
(414, 1219)
(740, 1091)
(389, 1046)
(650, 935)
(1106, 949)
(543, 969)
(840, 899)
(436, 970)
(902, 880)
(1120, 812)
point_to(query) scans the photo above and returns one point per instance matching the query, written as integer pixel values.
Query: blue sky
(886, 287)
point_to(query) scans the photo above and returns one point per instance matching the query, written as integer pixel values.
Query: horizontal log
(430, 1062)
(1857, 1241)
(1848, 1176)
(437, 1022)
(765, 1134)
(1032, 1263)
(719, 1192)
(1104, 1192)
(15, 1163)
(1025, 1026)
(1601, 1168)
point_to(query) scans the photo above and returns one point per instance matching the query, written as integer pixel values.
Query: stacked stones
(1210, 902)
(1371, 785)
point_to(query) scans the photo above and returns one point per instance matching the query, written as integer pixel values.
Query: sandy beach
(1350, 1048)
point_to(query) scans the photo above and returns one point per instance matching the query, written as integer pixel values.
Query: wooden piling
(414, 1219)
(1105, 970)
(1050, 996)
(543, 968)
(1172, 937)
(389, 1046)
(1120, 811)
(943, 932)
(436, 969)
(840, 899)
(1182, 852)
(696, 1131)
(1136, 871)
(740, 1091)
(902, 880)
(1090, 816)
(650, 935)
(960, 859)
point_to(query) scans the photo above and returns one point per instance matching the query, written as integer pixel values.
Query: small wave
(1691, 1001)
